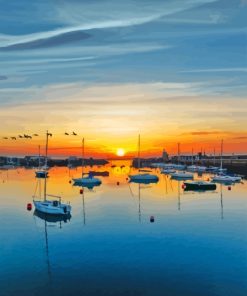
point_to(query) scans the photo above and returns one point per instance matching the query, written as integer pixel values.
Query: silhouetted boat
(199, 186)
(142, 178)
(54, 206)
(88, 181)
(182, 175)
(96, 173)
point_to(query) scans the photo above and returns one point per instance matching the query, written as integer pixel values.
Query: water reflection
(221, 202)
(54, 221)
(119, 242)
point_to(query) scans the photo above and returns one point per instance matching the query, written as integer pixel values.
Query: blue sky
(177, 49)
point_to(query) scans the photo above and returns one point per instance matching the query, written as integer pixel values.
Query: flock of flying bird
(34, 135)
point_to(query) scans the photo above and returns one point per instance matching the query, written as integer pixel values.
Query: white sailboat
(179, 166)
(167, 171)
(142, 178)
(224, 178)
(53, 206)
(41, 172)
(181, 175)
(192, 167)
(88, 181)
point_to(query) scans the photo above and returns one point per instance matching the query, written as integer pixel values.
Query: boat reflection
(221, 202)
(143, 181)
(52, 218)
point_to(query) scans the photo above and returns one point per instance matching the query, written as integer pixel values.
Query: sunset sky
(171, 70)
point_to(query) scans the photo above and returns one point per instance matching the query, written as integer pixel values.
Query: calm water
(196, 246)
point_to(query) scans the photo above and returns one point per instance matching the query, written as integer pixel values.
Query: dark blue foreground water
(197, 244)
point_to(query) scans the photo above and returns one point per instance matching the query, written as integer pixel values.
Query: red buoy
(127, 179)
(183, 186)
(152, 219)
(81, 191)
(29, 206)
(229, 188)
(69, 181)
(118, 183)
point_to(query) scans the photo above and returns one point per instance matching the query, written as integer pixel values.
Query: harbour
(109, 244)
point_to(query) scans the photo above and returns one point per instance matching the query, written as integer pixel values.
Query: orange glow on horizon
(150, 146)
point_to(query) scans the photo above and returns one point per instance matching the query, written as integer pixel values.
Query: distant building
(165, 155)
(72, 158)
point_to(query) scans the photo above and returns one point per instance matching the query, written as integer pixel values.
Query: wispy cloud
(204, 133)
(85, 17)
(241, 138)
(215, 70)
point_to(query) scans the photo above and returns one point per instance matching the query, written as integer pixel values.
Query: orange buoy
(152, 219)
(29, 206)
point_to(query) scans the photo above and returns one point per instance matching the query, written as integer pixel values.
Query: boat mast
(178, 153)
(221, 154)
(39, 157)
(46, 152)
(192, 160)
(139, 147)
(82, 157)
(214, 155)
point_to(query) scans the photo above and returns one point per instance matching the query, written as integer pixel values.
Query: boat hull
(41, 174)
(144, 178)
(199, 186)
(87, 182)
(182, 176)
(52, 207)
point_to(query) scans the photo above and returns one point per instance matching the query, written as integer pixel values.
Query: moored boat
(222, 178)
(167, 171)
(199, 185)
(54, 206)
(88, 181)
(182, 175)
(142, 178)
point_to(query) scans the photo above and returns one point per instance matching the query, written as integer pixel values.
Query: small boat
(54, 206)
(199, 185)
(182, 175)
(142, 178)
(96, 173)
(88, 181)
(167, 171)
(179, 167)
(192, 168)
(41, 173)
(214, 169)
(201, 169)
(222, 178)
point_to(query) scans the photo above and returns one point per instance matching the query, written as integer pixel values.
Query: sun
(120, 152)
